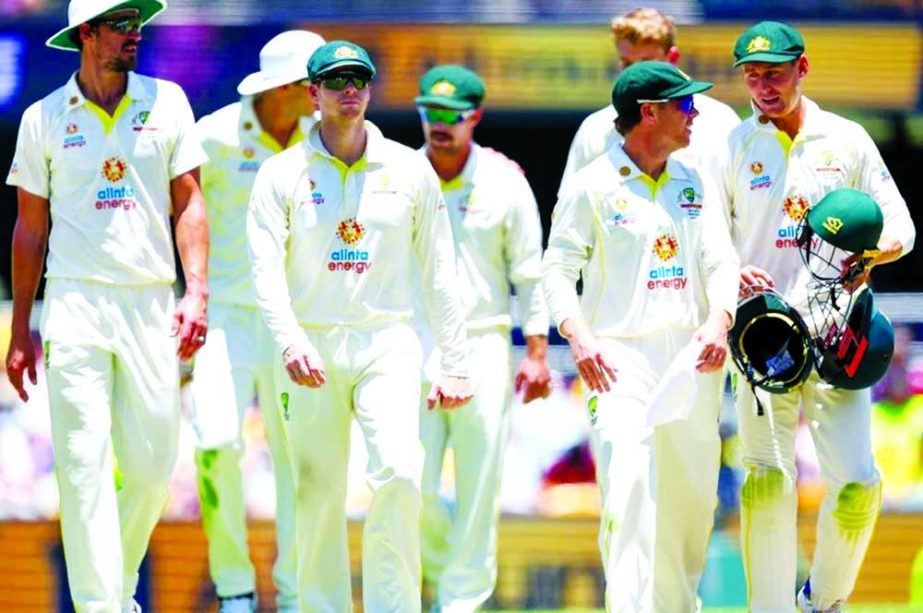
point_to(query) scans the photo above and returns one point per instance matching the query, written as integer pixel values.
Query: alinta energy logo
(112, 197)
(667, 276)
(795, 207)
(248, 164)
(72, 137)
(350, 232)
(761, 180)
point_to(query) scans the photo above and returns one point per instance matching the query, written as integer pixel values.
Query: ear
(673, 55)
(86, 32)
(802, 65)
(478, 115)
(313, 93)
(647, 112)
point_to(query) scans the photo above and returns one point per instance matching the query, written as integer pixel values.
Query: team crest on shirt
(666, 276)
(883, 173)
(72, 137)
(761, 180)
(690, 201)
(828, 162)
(248, 164)
(139, 122)
(350, 231)
(112, 196)
(592, 406)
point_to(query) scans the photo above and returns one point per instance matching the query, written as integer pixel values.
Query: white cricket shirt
(107, 179)
(237, 146)
(332, 245)
(768, 182)
(597, 135)
(498, 241)
(654, 255)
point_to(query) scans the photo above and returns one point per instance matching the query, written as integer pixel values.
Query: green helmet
(854, 352)
(770, 342)
(845, 220)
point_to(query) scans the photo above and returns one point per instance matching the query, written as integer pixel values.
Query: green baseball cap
(848, 219)
(652, 82)
(450, 86)
(339, 54)
(769, 41)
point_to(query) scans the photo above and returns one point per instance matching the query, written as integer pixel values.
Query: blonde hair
(645, 25)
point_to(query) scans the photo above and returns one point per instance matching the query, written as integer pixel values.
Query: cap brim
(691, 87)
(449, 103)
(259, 82)
(148, 9)
(347, 63)
(768, 57)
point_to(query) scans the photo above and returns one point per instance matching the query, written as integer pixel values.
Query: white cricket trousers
(113, 385)
(839, 421)
(236, 364)
(658, 485)
(374, 376)
(460, 549)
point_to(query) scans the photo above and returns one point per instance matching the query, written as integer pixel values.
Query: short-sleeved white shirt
(768, 182)
(237, 146)
(108, 189)
(597, 134)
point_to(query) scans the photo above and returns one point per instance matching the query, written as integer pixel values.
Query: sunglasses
(448, 117)
(686, 104)
(122, 25)
(338, 83)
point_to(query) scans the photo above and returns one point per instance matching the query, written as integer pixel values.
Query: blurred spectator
(897, 427)
(13, 8)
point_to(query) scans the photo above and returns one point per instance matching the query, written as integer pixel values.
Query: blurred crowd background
(547, 64)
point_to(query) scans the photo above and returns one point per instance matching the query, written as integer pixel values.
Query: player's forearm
(28, 257)
(537, 347)
(192, 241)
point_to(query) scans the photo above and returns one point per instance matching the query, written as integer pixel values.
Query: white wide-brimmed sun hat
(283, 60)
(82, 11)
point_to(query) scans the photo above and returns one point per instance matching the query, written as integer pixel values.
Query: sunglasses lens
(445, 116)
(125, 26)
(687, 104)
(338, 84)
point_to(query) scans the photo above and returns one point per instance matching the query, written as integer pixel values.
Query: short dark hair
(625, 123)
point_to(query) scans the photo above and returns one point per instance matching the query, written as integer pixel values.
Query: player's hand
(304, 365)
(21, 359)
(450, 393)
(595, 367)
(856, 270)
(533, 378)
(190, 324)
(713, 337)
(751, 276)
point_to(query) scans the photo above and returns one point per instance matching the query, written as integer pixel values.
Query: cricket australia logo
(443, 88)
(795, 208)
(691, 202)
(350, 232)
(666, 247)
(344, 52)
(759, 43)
(139, 122)
(111, 197)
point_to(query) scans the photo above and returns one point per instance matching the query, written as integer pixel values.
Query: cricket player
(649, 333)
(111, 156)
(498, 242)
(238, 361)
(780, 162)
(335, 227)
(648, 34)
